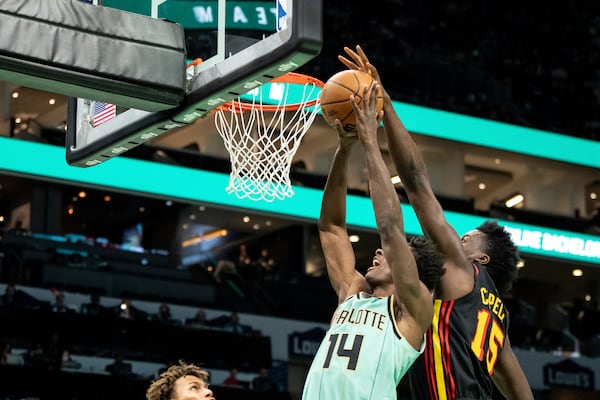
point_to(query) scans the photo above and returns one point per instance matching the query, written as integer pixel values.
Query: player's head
(181, 381)
(490, 245)
(428, 258)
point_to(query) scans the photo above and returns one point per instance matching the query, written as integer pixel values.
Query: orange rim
(240, 105)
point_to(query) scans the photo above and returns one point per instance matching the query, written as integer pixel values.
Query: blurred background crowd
(526, 63)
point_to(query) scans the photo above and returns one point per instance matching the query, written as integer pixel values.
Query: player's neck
(383, 290)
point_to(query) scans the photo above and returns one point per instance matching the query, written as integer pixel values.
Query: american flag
(103, 112)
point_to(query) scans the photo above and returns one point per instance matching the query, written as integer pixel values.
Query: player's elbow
(323, 225)
(327, 225)
(390, 227)
(425, 315)
(415, 178)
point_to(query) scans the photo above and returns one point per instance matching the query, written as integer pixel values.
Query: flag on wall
(103, 112)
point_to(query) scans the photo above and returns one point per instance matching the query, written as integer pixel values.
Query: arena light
(354, 238)
(209, 235)
(516, 200)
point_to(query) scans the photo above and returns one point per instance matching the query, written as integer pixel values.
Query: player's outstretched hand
(346, 138)
(359, 61)
(367, 116)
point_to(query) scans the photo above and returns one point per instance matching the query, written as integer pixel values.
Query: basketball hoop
(262, 134)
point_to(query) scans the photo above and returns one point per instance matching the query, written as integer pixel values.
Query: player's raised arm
(508, 376)
(415, 179)
(337, 248)
(410, 293)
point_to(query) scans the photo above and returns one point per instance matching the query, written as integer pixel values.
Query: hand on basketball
(368, 117)
(346, 138)
(360, 62)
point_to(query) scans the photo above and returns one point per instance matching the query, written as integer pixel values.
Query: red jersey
(462, 345)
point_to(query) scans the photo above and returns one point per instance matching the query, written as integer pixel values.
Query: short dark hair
(503, 253)
(162, 388)
(430, 261)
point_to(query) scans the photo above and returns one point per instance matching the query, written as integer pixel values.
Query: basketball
(335, 97)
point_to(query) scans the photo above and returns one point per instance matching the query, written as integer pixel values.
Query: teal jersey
(363, 356)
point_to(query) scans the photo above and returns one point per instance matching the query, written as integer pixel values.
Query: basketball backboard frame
(298, 39)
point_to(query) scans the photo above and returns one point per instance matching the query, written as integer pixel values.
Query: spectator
(59, 305)
(163, 315)
(266, 267)
(232, 379)
(263, 382)
(9, 297)
(244, 258)
(245, 266)
(68, 362)
(233, 324)
(119, 367)
(6, 352)
(8, 357)
(93, 307)
(198, 321)
(18, 229)
(14, 297)
(126, 310)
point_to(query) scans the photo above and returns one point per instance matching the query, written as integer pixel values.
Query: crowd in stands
(245, 267)
(126, 309)
(524, 63)
(548, 328)
(555, 328)
(55, 352)
(552, 328)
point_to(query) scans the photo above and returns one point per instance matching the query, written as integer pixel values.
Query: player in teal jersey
(377, 330)
(468, 348)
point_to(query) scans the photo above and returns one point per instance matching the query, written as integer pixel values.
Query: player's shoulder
(456, 284)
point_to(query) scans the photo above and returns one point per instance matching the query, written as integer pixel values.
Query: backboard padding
(76, 49)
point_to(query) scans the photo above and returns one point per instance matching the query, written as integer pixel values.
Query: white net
(263, 140)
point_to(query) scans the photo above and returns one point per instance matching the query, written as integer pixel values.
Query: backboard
(243, 45)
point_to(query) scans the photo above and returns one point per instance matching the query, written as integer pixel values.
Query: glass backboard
(242, 44)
